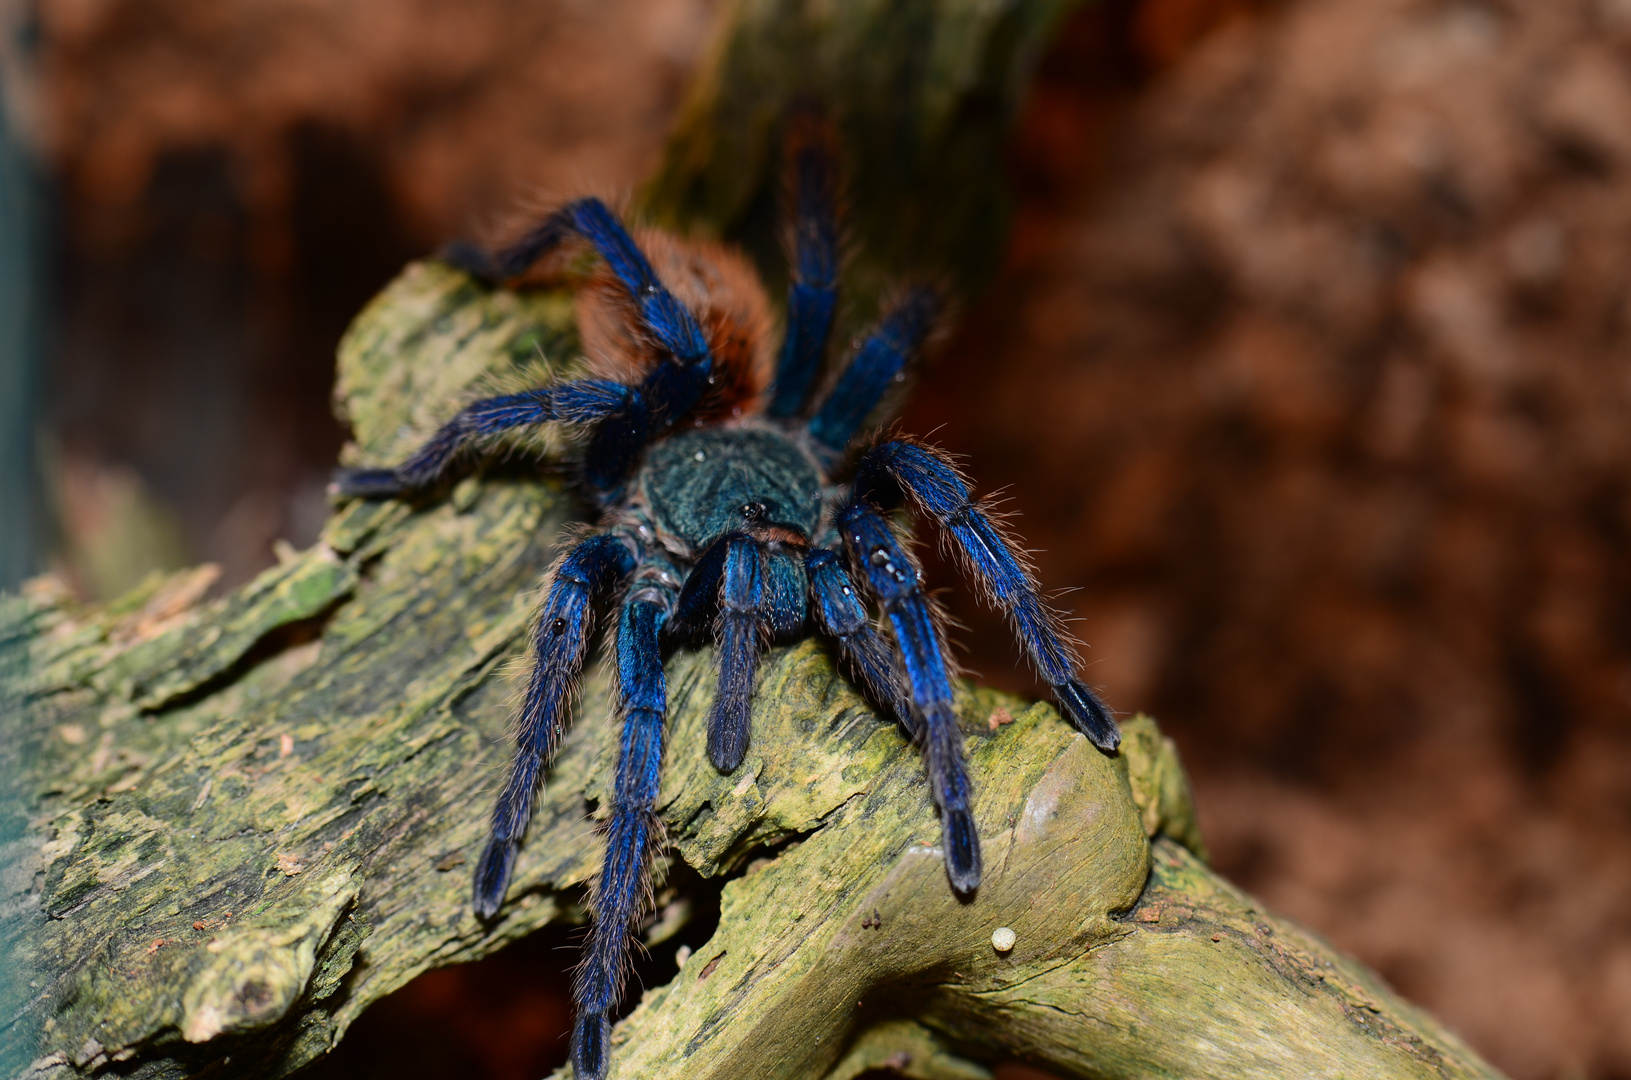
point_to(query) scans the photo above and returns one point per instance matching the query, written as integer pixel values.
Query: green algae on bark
(234, 823)
(229, 825)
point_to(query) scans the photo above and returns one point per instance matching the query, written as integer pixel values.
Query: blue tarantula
(723, 512)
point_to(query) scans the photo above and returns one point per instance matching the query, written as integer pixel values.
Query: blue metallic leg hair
(875, 368)
(672, 388)
(837, 606)
(634, 829)
(670, 324)
(515, 259)
(571, 402)
(562, 636)
(741, 633)
(812, 168)
(699, 599)
(893, 576)
(899, 467)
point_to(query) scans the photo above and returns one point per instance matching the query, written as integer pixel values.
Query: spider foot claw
(590, 1034)
(1084, 709)
(962, 845)
(493, 876)
(366, 483)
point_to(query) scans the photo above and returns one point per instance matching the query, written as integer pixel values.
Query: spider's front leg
(564, 628)
(894, 578)
(836, 605)
(901, 468)
(740, 631)
(726, 591)
(583, 401)
(680, 377)
(634, 830)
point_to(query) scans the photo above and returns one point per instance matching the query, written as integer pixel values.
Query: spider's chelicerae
(724, 510)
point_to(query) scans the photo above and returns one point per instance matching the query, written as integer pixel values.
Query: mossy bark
(231, 824)
(238, 822)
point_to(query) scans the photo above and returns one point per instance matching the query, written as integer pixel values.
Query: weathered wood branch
(231, 824)
(238, 822)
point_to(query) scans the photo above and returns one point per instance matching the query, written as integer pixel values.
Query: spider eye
(558, 627)
(755, 510)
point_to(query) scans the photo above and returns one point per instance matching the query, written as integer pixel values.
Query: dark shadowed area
(1305, 369)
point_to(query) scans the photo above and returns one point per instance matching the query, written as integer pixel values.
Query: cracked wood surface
(237, 822)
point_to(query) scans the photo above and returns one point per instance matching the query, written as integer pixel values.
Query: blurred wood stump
(232, 824)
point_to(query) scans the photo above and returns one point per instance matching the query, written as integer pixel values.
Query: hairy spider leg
(634, 829)
(561, 638)
(876, 367)
(740, 631)
(747, 595)
(903, 467)
(671, 389)
(893, 576)
(812, 297)
(699, 599)
(836, 604)
(512, 260)
(673, 328)
(578, 402)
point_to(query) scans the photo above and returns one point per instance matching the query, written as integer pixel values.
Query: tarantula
(722, 512)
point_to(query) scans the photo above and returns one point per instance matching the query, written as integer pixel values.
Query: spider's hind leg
(665, 318)
(901, 468)
(812, 182)
(564, 629)
(634, 829)
(877, 366)
(672, 388)
(893, 576)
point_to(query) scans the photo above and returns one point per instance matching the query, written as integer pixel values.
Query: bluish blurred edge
(21, 303)
(21, 336)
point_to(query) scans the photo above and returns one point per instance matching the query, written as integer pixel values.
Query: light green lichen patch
(220, 801)
(157, 672)
(1204, 982)
(1160, 785)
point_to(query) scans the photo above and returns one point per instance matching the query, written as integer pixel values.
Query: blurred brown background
(1308, 366)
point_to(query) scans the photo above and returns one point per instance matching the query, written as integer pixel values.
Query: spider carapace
(732, 503)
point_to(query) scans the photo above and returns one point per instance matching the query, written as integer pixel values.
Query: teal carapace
(696, 483)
